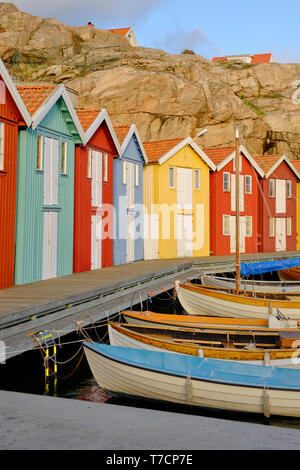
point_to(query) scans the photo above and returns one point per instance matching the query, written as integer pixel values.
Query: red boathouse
(278, 204)
(13, 114)
(223, 201)
(93, 233)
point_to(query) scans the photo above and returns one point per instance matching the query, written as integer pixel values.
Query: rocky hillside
(164, 95)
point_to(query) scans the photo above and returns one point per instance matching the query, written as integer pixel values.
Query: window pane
(136, 175)
(64, 157)
(39, 160)
(105, 163)
(272, 226)
(226, 180)
(271, 188)
(289, 226)
(248, 184)
(124, 172)
(171, 177)
(226, 230)
(249, 226)
(289, 188)
(89, 163)
(197, 179)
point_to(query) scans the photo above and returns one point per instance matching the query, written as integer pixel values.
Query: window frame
(64, 157)
(105, 167)
(223, 228)
(289, 189)
(272, 180)
(250, 179)
(249, 217)
(289, 226)
(197, 179)
(172, 170)
(227, 174)
(40, 153)
(272, 233)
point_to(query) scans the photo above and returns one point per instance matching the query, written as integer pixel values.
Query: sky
(209, 28)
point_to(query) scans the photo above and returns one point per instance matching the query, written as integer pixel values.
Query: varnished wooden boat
(195, 381)
(172, 341)
(199, 300)
(149, 318)
(291, 274)
(276, 287)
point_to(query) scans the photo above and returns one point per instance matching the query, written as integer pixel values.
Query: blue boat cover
(215, 370)
(267, 266)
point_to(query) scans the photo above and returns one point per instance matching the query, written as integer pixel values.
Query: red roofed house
(126, 32)
(296, 163)
(93, 217)
(223, 201)
(248, 58)
(278, 205)
(13, 114)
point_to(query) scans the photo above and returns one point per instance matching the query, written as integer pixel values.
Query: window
(197, 179)
(272, 188)
(124, 172)
(289, 226)
(240, 164)
(40, 148)
(89, 164)
(171, 177)
(136, 175)
(105, 169)
(248, 184)
(288, 188)
(272, 227)
(64, 158)
(226, 224)
(248, 226)
(226, 182)
(1, 146)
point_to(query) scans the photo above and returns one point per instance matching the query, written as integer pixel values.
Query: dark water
(75, 381)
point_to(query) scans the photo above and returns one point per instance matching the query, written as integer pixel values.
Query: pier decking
(60, 303)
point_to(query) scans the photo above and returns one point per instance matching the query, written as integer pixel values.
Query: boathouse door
(96, 219)
(280, 237)
(51, 156)
(130, 222)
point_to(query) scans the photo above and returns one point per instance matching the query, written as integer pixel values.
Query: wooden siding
(30, 200)
(10, 116)
(102, 142)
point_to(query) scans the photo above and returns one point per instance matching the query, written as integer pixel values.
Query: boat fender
(266, 403)
(200, 352)
(267, 359)
(189, 390)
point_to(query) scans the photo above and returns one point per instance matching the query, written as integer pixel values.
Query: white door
(151, 231)
(185, 188)
(280, 196)
(241, 193)
(242, 234)
(280, 238)
(49, 269)
(51, 157)
(184, 235)
(130, 228)
(96, 242)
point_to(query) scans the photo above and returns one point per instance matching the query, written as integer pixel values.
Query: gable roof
(269, 163)
(296, 164)
(41, 98)
(120, 31)
(91, 120)
(160, 151)
(223, 155)
(255, 58)
(14, 93)
(125, 133)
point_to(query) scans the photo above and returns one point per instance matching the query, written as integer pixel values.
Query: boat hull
(119, 336)
(276, 287)
(119, 376)
(197, 300)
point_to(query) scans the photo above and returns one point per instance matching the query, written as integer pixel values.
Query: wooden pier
(62, 304)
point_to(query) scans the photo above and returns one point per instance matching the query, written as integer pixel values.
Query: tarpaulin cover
(267, 266)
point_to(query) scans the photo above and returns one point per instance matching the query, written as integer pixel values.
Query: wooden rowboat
(130, 336)
(291, 274)
(149, 318)
(194, 381)
(277, 287)
(199, 300)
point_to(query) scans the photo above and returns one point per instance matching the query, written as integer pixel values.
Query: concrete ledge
(34, 422)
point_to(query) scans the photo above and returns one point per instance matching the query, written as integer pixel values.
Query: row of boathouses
(78, 193)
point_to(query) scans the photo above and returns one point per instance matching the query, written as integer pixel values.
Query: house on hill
(247, 58)
(128, 33)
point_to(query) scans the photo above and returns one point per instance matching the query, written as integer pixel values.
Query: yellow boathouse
(176, 199)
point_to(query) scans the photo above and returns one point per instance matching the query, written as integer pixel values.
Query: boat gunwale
(173, 374)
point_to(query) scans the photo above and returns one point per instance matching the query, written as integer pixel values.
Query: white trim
(195, 147)
(229, 185)
(247, 155)
(103, 116)
(47, 105)
(15, 94)
(285, 158)
(248, 176)
(133, 130)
